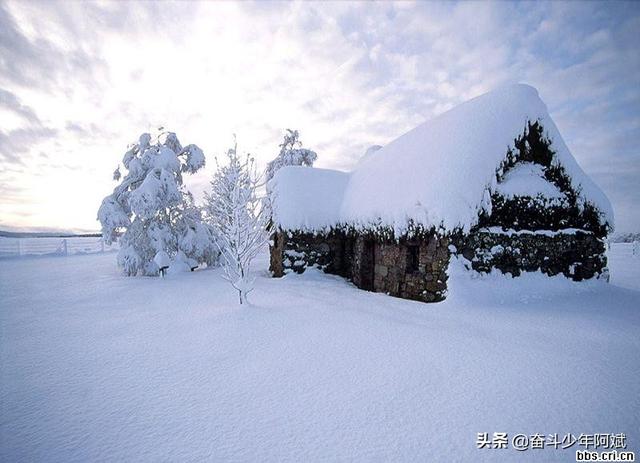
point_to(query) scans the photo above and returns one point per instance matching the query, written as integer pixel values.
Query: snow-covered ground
(100, 367)
(624, 266)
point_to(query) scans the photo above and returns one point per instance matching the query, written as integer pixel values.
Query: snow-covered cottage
(490, 180)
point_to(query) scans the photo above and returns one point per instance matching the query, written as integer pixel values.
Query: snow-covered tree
(195, 239)
(235, 210)
(291, 154)
(150, 212)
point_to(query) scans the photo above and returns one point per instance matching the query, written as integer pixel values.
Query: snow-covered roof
(306, 198)
(527, 179)
(439, 174)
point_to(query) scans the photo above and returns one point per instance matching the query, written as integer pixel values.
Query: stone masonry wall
(296, 251)
(382, 266)
(427, 283)
(369, 263)
(577, 255)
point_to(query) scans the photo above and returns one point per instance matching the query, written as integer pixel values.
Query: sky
(79, 81)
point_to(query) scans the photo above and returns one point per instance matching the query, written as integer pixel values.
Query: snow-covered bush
(162, 260)
(237, 215)
(291, 154)
(150, 212)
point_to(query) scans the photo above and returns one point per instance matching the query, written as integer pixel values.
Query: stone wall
(370, 263)
(428, 282)
(296, 251)
(577, 255)
(360, 271)
(382, 266)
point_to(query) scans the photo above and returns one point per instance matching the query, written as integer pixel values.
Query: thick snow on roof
(306, 198)
(527, 179)
(438, 174)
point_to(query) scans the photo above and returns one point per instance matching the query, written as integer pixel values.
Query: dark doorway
(344, 264)
(413, 258)
(367, 265)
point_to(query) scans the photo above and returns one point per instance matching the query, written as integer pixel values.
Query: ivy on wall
(538, 212)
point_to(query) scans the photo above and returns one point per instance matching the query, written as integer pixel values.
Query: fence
(16, 247)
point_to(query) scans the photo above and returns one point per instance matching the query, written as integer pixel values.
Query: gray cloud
(39, 62)
(15, 143)
(23, 61)
(11, 103)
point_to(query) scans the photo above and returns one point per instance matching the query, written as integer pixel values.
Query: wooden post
(65, 249)
(19, 246)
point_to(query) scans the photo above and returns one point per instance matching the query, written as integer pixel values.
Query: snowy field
(100, 367)
(625, 268)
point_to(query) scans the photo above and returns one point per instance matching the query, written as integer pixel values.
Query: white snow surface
(100, 367)
(527, 179)
(307, 198)
(624, 266)
(369, 152)
(436, 174)
(511, 231)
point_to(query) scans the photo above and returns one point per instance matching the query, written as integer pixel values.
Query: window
(413, 258)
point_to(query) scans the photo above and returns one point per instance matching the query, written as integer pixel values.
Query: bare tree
(236, 212)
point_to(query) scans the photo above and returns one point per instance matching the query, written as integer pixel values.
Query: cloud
(35, 60)
(84, 79)
(10, 102)
(19, 141)
(16, 142)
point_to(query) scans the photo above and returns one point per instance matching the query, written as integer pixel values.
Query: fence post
(65, 249)
(19, 246)
(101, 245)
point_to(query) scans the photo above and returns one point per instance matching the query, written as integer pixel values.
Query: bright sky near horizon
(81, 80)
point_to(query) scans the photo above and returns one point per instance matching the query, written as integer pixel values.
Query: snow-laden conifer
(291, 154)
(150, 211)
